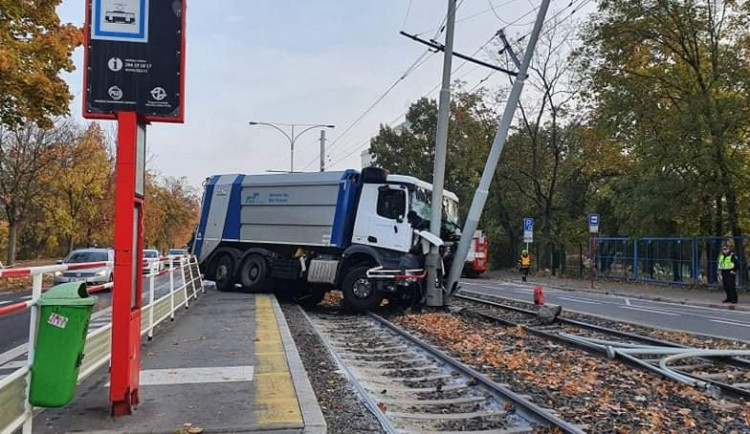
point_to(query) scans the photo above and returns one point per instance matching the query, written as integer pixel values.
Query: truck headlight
(101, 273)
(58, 273)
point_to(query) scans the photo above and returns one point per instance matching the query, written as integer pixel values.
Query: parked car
(174, 255)
(92, 276)
(151, 261)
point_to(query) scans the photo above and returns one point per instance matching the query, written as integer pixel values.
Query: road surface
(15, 327)
(694, 319)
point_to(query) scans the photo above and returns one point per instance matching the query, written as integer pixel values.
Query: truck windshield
(421, 204)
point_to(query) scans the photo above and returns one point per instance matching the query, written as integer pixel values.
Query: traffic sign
(135, 59)
(594, 221)
(528, 230)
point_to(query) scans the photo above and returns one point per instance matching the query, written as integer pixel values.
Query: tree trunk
(12, 240)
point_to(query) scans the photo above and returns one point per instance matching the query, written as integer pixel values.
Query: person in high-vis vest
(524, 263)
(727, 264)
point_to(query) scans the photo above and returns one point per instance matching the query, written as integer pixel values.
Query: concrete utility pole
(480, 197)
(322, 150)
(434, 286)
(291, 137)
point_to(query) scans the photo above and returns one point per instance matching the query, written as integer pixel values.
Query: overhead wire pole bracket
(441, 47)
(509, 48)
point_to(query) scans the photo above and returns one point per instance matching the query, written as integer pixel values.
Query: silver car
(92, 276)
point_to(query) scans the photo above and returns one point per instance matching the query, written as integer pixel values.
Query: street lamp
(292, 137)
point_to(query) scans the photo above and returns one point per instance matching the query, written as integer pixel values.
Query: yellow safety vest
(726, 262)
(526, 261)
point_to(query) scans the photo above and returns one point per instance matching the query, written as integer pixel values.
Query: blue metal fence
(674, 261)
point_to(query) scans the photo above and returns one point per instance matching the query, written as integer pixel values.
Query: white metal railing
(15, 410)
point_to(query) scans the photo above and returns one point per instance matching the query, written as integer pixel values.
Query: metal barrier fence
(15, 410)
(674, 261)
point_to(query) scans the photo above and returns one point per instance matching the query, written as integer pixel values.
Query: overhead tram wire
(466, 18)
(434, 88)
(421, 60)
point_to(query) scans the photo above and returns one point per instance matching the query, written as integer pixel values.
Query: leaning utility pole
(480, 197)
(434, 286)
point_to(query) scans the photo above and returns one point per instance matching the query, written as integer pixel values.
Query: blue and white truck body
(306, 233)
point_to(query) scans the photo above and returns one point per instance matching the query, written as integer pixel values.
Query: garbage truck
(363, 232)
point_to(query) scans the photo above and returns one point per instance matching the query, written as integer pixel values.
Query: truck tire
(359, 293)
(224, 272)
(253, 273)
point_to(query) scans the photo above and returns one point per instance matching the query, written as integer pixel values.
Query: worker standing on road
(727, 264)
(524, 262)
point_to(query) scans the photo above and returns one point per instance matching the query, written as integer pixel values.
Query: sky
(306, 62)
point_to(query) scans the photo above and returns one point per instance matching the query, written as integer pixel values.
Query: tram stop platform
(228, 364)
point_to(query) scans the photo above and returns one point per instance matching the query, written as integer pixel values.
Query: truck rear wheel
(359, 293)
(253, 273)
(224, 272)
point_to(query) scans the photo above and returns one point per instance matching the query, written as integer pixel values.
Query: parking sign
(528, 230)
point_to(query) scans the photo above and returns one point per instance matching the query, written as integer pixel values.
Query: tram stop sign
(135, 59)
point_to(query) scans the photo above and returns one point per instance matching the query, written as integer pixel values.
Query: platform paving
(228, 365)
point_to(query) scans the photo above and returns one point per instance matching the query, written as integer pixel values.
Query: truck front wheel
(224, 273)
(253, 273)
(359, 293)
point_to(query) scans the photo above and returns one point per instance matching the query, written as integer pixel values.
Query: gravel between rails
(600, 394)
(342, 408)
(687, 339)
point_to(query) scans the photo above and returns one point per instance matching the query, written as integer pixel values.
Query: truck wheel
(359, 293)
(224, 274)
(253, 273)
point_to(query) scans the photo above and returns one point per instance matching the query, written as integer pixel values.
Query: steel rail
(496, 389)
(599, 350)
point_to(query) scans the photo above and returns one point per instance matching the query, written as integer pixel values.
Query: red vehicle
(476, 260)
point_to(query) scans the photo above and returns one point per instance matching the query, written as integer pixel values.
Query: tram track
(723, 373)
(411, 386)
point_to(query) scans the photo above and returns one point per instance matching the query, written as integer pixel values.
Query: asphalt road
(695, 319)
(15, 327)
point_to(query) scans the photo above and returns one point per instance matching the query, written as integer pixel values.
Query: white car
(92, 276)
(152, 261)
(174, 255)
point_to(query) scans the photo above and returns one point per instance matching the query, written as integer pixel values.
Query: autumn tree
(34, 48)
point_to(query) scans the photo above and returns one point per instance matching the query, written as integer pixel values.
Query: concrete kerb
(312, 415)
(627, 295)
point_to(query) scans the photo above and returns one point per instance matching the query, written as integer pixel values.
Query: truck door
(381, 217)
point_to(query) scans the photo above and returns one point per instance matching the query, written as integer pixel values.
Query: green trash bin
(63, 324)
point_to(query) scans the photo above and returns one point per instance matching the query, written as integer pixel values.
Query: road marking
(649, 310)
(731, 323)
(6, 302)
(14, 365)
(627, 301)
(577, 300)
(12, 354)
(219, 374)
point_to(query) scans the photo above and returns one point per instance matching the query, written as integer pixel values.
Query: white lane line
(731, 323)
(649, 310)
(219, 374)
(578, 300)
(12, 354)
(6, 302)
(14, 365)
(627, 301)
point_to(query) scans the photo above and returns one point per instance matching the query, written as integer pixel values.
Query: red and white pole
(127, 294)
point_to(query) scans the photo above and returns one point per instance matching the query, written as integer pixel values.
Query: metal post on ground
(480, 197)
(151, 301)
(36, 292)
(322, 150)
(184, 283)
(192, 280)
(171, 291)
(198, 270)
(434, 285)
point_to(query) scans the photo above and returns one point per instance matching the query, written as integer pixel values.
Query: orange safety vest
(526, 261)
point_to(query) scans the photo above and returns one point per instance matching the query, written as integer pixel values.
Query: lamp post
(291, 136)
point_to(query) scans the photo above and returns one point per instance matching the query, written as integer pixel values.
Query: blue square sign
(528, 224)
(594, 221)
(120, 20)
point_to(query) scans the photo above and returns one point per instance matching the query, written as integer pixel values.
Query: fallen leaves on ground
(605, 395)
